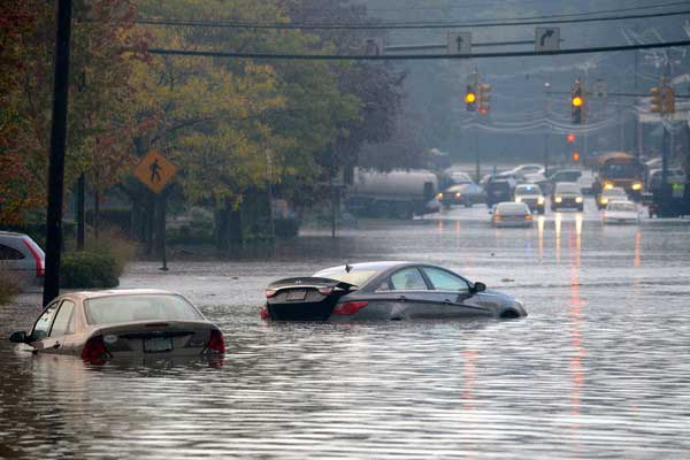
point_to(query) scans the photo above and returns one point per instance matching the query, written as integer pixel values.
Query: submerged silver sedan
(385, 291)
(102, 325)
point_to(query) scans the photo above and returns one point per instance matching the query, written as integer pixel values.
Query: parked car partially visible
(464, 194)
(384, 291)
(609, 194)
(621, 212)
(567, 195)
(522, 170)
(532, 196)
(511, 214)
(122, 324)
(22, 258)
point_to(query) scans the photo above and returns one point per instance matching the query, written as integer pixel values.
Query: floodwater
(598, 369)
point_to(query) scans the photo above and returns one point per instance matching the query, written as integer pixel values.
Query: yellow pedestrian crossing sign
(155, 171)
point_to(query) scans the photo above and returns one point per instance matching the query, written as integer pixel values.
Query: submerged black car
(384, 291)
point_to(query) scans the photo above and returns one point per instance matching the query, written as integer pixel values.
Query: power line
(413, 57)
(537, 20)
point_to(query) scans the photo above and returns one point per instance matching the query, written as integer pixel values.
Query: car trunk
(304, 299)
(150, 338)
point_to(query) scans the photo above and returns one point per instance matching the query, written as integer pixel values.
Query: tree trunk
(96, 213)
(81, 205)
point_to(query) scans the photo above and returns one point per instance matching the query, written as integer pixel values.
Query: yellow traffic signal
(578, 101)
(576, 156)
(470, 99)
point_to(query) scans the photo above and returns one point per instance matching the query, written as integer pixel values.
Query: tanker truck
(398, 194)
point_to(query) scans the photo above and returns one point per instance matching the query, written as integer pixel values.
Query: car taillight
(217, 342)
(271, 293)
(326, 290)
(94, 351)
(350, 308)
(263, 312)
(40, 264)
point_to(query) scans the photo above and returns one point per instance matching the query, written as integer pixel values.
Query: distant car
(498, 190)
(621, 212)
(610, 194)
(22, 258)
(534, 178)
(562, 175)
(511, 214)
(674, 176)
(586, 182)
(384, 291)
(567, 195)
(123, 324)
(460, 177)
(532, 196)
(464, 194)
(522, 170)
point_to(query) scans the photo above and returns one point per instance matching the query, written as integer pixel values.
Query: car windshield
(567, 188)
(354, 276)
(626, 207)
(144, 307)
(615, 192)
(527, 190)
(621, 169)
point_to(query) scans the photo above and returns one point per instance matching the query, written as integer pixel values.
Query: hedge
(85, 270)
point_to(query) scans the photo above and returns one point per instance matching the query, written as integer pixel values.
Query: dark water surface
(599, 369)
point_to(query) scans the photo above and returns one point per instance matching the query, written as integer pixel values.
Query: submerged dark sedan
(384, 291)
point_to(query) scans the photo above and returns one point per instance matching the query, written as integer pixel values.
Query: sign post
(155, 171)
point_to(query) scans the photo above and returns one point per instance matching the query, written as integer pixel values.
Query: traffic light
(669, 100)
(657, 102)
(577, 104)
(471, 99)
(570, 138)
(484, 97)
(576, 157)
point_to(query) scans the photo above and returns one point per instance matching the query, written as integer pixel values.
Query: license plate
(158, 344)
(297, 294)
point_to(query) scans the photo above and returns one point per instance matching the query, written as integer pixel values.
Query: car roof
(381, 265)
(511, 205)
(13, 234)
(85, 295)
(567, 185)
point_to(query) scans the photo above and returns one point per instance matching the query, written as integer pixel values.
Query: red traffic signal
(570, 138)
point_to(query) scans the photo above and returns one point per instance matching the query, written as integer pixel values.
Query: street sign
(459, 43)
(547, 39)
(155, 171)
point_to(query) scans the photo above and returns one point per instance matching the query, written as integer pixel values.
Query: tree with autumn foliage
(101, 126)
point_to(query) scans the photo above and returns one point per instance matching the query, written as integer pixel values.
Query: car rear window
(354, 277)
(149, 307)
(504, 208)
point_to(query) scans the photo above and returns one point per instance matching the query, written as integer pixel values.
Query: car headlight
(558, 199)
(439, 196)
(518, 199)
(604, 200)
(540, 200)
(457, 195)
(608, 186)
(578, 199)
(637, 186)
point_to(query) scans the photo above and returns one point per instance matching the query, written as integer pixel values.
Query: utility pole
(58, 136)
(547, 110)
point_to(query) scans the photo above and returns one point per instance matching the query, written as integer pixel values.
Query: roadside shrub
(9, 286)
(83, 270)
(287, 228)
(114, 244)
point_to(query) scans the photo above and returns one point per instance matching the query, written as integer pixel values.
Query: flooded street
(597, 369)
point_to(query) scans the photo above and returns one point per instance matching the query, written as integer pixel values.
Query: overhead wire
(537, 20)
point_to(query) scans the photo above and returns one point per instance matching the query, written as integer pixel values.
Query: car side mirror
(19, 337)
(479, 287)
